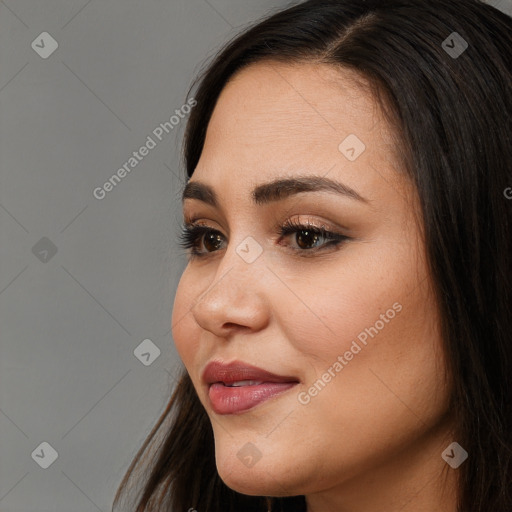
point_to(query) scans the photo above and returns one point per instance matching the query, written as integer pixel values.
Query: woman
(345, 316)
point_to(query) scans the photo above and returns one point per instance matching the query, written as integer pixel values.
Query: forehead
(273, 120)
(287, 102)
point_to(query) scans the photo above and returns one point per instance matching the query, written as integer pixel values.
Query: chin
(254, 484)
(269, 476)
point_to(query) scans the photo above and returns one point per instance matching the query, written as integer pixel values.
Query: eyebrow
(275, 190)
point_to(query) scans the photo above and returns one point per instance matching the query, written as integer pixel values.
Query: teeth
(244, 383)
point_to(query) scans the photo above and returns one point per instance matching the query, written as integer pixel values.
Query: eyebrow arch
(274, 190)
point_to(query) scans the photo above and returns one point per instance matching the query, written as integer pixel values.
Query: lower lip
(236, 399)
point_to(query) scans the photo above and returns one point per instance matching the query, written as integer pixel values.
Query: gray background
(71, 321)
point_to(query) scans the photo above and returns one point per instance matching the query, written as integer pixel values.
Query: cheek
(363, 280)
(353, 297)
(375, 348)
(384, 393)
(366, 330)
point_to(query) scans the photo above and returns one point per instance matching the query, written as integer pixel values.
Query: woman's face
(354, 324)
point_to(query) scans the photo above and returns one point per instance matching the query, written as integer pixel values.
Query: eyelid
(297, 220)
(192, 220)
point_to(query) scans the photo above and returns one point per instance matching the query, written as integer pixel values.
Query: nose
(236, 298)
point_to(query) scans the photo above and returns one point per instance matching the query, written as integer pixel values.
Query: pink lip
(233, 400)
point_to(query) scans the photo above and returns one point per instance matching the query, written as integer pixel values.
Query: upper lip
(217, 371)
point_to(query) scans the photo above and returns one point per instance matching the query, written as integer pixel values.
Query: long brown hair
(453, 115)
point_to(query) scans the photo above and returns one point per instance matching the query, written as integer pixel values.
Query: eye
(192, 236)
(307, 236)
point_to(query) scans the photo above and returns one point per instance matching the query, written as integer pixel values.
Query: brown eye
(193, 236)
(307, 238)
(211, 241)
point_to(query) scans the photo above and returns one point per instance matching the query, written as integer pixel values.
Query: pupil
(211, 238)
(309, 234)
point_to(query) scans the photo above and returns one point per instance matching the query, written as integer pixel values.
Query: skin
(372, 438)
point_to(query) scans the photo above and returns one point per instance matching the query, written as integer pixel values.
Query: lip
(235, 400)
(217, 371)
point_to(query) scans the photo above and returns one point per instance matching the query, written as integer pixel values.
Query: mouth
(241, 383)
(237, 387)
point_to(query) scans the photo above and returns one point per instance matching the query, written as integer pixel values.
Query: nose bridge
(236, 294)
(240, 269)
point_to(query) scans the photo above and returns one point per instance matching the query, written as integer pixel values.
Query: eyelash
(189, 237)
